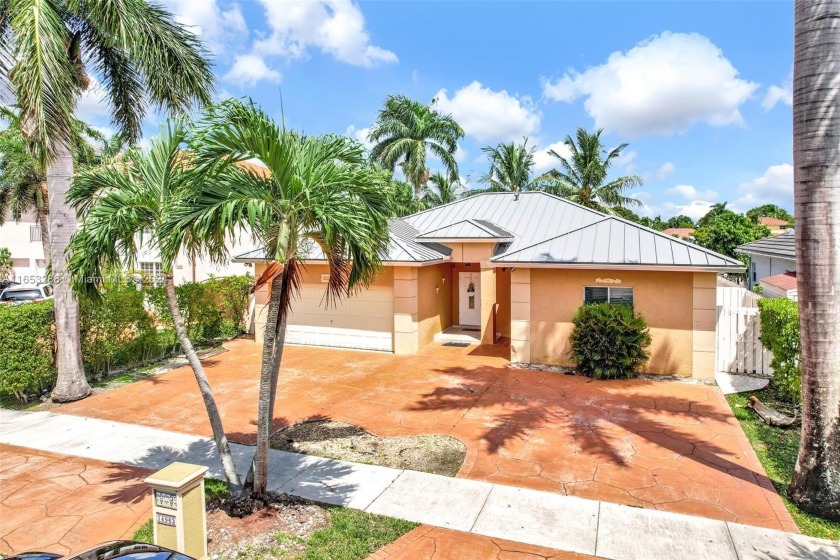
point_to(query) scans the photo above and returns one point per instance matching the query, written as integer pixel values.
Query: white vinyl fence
(739, 348)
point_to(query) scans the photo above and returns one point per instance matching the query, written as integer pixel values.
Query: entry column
(520, 315)
(406, 328)
(488, 304)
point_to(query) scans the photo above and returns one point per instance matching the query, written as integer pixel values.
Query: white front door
(469, 298)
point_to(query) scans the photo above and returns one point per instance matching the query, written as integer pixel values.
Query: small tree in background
(726, 230)
(768, 211)
(609, 341)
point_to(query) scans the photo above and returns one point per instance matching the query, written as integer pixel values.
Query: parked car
(22, 293)
(126, 550)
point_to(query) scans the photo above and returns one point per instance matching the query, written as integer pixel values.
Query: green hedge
(780, 335)
(117, 330)
(27, 343)
(609, 341)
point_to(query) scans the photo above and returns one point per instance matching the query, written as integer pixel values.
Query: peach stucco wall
(664, 298)
(434, 305)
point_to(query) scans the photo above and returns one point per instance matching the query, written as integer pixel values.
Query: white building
(23, 239)
(772, 258)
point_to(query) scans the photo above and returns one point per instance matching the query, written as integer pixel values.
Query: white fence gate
(739, 348)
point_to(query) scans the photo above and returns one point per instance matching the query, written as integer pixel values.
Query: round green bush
(609, 341)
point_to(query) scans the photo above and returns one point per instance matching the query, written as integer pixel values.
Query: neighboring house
(780, 285)
(777, 226)
(23, 240)
(682, 233)
(770, 256)
(516, 266)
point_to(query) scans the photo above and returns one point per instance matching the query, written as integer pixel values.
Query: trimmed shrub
(780, 335)
(197, 303)
(609, 341)
(117, 330)
(27, 343)
(233, 297)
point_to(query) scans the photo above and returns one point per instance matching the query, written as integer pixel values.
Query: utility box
(179, 516)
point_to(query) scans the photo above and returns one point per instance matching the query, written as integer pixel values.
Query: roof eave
(464, 239)
(606, 266)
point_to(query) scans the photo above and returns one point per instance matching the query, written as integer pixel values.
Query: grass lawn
(349, 535)
(777, 449)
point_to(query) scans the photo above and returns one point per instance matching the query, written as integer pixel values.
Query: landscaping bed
(777, 449)
(434, 454)
(289, 528)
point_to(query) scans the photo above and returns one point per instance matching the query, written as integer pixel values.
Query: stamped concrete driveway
(656, 444)
(54, 503)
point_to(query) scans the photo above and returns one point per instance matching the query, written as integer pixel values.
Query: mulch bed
(435, 454)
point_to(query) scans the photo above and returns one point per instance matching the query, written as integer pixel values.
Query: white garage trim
(364, 321)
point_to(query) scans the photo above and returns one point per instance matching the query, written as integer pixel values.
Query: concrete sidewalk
(539, 518)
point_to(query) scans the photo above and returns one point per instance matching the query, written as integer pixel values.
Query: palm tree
(582, 178)
(120, 203)
(441, 190)
(403, 133)
(314, 194)
(140, 56)
(510, 168)
(717, 209)
(23, 182)
(816, 177)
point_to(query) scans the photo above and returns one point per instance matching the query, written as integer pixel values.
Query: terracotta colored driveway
(664, 445)
(54, 503)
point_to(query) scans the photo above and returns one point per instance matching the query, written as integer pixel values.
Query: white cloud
(775, 186)
(655, 206)
(335, 27)
(665, 170)
(489, 115)
(460, 154)
(360, 134)
(415, 76)
(93, 106)
(625, 159)
(248, 69)
(688, 192)
(544, 161)
(216, 26)
(662, 86)
(776, 94)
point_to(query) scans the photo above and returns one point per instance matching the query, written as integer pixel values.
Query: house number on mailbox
(168, 500)
(164, 519)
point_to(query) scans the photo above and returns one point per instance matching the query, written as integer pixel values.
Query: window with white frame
(607, 294)
(151, 272)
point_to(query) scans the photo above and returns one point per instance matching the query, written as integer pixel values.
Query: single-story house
(517, 266)
(681, 232)
(770, 256)
(780, 285)
(777, 225)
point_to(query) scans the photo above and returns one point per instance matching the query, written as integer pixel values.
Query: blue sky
(701, 91)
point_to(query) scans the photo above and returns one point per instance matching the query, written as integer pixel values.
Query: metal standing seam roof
(549, 230)
(468, 229)
(781, 246)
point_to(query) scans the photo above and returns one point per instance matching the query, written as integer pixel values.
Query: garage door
(365, 321)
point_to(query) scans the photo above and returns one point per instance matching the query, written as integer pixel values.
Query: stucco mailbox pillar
(178, 511)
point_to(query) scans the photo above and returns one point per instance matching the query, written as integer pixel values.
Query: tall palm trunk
(70, 383)
(265, 403)
(228, 466)
(816, 158)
